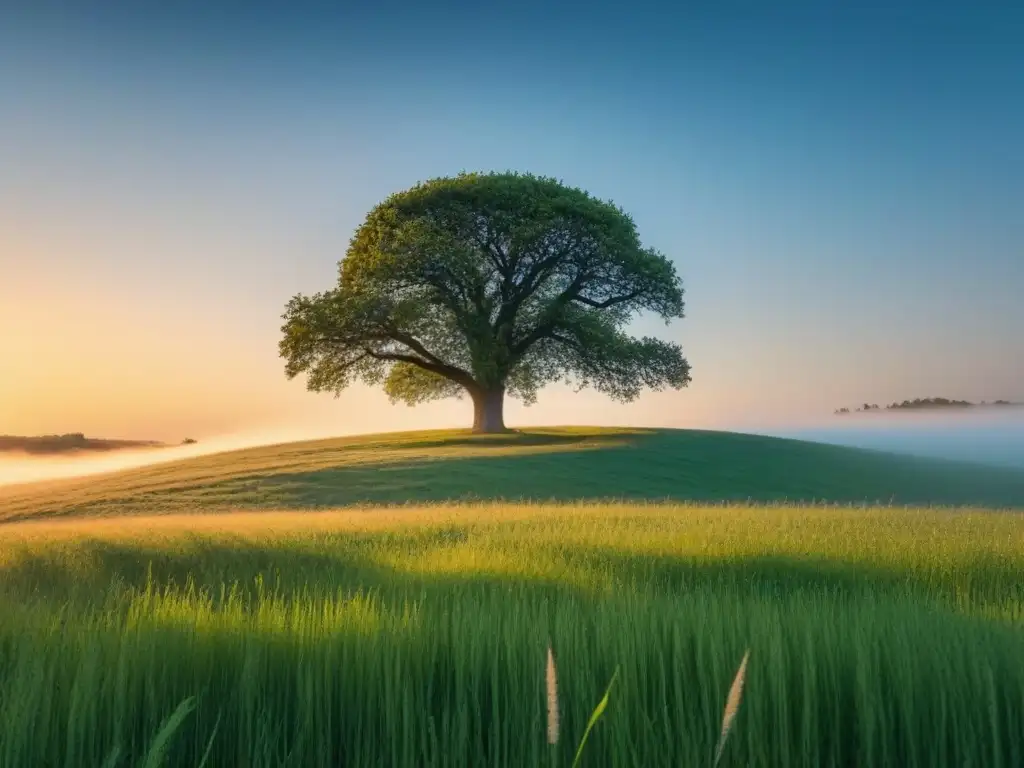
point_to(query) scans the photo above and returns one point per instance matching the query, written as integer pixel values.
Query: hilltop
(556, 464)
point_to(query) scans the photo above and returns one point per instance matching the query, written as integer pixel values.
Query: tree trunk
(489, 411)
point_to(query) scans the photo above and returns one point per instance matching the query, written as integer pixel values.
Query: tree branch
(611, 302)
(531, 281)
(545, 328)
(416, 346)
(497, 257)
(451, 372)
(439, 279)
(450, 299)
(356, 361)
(555, 336)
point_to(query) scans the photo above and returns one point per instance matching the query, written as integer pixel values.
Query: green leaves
(413, 385)
(494, 281)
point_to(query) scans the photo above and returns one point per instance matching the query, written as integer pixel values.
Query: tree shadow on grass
(514, 438)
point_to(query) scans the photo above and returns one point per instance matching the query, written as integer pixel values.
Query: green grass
(418, 635)
(878, 636)
(542, 465)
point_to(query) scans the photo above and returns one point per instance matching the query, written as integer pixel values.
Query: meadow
(312, 621)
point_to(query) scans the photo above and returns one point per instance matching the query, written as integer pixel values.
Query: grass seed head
(732, 705)
(552, 686)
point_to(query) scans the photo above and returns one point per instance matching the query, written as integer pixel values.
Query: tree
(487, 285)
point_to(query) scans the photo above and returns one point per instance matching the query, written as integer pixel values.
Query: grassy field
(417, 635)
(539, 465)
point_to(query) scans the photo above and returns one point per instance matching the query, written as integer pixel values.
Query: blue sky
(839, 185)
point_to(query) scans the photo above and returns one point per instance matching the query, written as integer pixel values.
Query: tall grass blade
(113, 758)
(158, 751)
(209, 745)
(732, 706)
(595, 715)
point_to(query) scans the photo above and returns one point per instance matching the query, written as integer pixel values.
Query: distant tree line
(69, 442)
(921, 403)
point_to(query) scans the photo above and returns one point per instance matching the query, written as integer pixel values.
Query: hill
(69, 443)
(557, 464)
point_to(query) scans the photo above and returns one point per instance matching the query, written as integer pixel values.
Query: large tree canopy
(489, 284)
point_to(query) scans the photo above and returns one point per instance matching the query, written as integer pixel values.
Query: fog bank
(26, 468)
(995, 438)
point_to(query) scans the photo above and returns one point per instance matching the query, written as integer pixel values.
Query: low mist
(16, 467)
(995, 437)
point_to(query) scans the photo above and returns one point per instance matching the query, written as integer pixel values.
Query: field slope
(538, 464)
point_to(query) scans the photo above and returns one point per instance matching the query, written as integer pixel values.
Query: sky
(839, 185)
